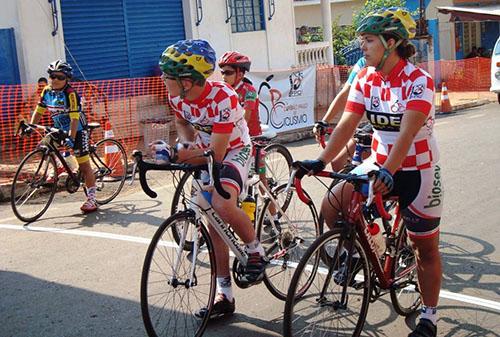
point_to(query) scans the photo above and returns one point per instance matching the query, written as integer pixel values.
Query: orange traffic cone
(445, 100)
(112, 155)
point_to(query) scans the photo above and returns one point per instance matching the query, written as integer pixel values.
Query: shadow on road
(35, 307)
(467, 264)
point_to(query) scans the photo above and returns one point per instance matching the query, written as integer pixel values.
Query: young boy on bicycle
(63, 103)
(208, 113)
(234, 66)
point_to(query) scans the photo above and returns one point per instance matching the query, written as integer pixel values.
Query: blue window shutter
(9, 70)
(119, 38)
(94, 34)
(152, 26)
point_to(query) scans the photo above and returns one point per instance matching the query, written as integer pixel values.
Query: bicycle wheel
(181, 202)
(323, 310)
(285, 237)
(34, 186)
(168, 300)
(278, 162)
(109, 164)
(405, 295)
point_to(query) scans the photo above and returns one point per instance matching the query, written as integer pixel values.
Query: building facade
(106, 39)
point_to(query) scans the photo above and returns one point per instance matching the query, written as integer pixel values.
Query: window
(247, 15)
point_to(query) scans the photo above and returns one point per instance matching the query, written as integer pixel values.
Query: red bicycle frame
(356, 218)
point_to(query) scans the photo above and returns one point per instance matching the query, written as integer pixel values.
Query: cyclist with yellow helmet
(208, 113)
(398, 99)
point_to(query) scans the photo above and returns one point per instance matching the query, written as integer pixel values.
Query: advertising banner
(286, 98)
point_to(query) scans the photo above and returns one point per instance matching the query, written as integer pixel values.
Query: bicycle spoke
(168, 299)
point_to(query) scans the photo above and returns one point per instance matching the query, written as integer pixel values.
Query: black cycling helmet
(60, 66)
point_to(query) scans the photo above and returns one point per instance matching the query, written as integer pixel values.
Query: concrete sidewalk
(465, 100)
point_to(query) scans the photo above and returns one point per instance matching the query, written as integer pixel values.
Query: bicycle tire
(302, 315)
(41, 187)
(278, 161)
(404, 262)
(283, 244)
(158, 287)
(111, 172)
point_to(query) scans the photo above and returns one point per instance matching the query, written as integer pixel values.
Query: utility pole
(422, 24)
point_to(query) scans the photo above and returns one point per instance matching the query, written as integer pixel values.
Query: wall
(311, 15)
(281, 36)
(36, 47)
(269, 49)
(446, 37)
(40, 47)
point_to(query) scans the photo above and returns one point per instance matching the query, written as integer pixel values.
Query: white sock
(429, 313)
(255, 247)
(224, 287)
(91, 192)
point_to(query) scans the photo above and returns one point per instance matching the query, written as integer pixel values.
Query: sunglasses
(227, 72)
(59, 77)
(165, 77)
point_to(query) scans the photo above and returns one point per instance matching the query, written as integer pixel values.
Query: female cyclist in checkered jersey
(398, 98)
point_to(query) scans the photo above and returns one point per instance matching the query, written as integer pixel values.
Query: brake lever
(134, 169)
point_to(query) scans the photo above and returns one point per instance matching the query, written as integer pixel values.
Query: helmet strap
(181, 87)
(236, 81)
(387, 51)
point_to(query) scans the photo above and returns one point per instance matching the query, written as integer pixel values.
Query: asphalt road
(74, 275)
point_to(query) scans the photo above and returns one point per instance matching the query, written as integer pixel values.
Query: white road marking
(475, 116)
(444, 294)
(441, 123)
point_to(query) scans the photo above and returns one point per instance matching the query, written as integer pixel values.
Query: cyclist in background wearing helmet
(233, 66)
(398, 99)
(337, 106)
(208, 113)
(63, 104)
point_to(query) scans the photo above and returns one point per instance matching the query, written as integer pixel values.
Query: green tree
(372, 6)
(344, 35)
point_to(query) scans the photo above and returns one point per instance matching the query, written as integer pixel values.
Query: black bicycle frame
(48, 146)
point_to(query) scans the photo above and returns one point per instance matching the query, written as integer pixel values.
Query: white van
(495, 69)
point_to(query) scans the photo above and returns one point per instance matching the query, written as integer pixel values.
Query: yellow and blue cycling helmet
(188, 59)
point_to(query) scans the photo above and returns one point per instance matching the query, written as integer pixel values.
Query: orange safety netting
(136, 108)
(138, 111)
(462, 75)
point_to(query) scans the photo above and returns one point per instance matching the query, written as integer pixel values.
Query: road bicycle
(178, 277)
(36, 179)
(336, 303)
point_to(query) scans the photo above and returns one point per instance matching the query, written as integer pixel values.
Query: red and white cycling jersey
(385, 100)
(249, 100)
(216, 111)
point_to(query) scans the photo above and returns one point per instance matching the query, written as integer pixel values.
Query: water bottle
(378, 238)
(248, 206)
(71, 161)
(161, 151)
(356, 158)
(207, 195)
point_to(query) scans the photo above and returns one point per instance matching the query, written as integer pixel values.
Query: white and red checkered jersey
(217, 110)
(385, 99)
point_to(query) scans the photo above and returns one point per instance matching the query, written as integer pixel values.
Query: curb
(463, 106)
